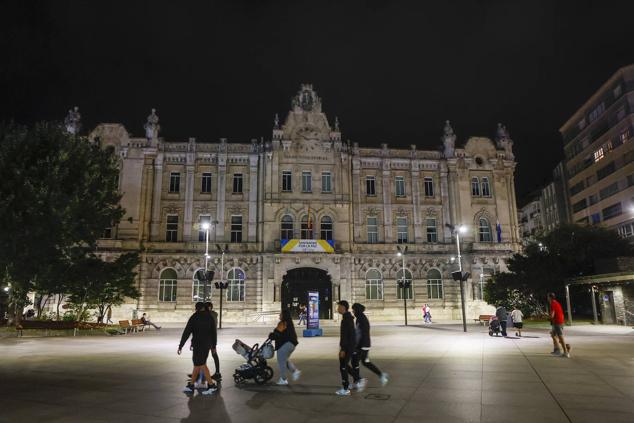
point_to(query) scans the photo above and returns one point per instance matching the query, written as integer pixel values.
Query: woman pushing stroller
(285, 339)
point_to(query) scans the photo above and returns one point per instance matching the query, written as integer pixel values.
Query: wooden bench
(47, 325)
(484, 319)
(126, 327)
(138, 324)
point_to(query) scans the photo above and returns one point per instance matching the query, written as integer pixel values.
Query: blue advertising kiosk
(312, 315)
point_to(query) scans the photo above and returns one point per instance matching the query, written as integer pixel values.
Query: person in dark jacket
(347, 343)
(285, 339)
(501, 314)
(202, 328)
(362, 349)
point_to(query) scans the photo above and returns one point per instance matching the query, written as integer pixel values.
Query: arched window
(235, 290)
(475, 187)
(434, 285)
(198, 288)
(486, 188)
(167, 285)
(326, 228)
(307, 227)
(484, 230)
(409, 291)
(373, 285)
(287, 227)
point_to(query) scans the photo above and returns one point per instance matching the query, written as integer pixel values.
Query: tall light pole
(403, 284)
(206, 226)
(457, 230)
(222, 285)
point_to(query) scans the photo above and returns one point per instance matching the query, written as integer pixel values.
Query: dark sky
(391, 71)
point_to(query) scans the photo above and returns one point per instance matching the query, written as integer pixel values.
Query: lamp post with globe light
(404, 284)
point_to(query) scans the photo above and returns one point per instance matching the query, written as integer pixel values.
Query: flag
(498, 229)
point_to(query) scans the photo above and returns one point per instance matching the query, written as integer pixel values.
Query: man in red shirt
(557, 324)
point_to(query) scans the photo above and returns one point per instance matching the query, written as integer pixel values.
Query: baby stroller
(494, 326)
(255, 368)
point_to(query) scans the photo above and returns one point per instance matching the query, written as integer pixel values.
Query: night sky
(391, 71)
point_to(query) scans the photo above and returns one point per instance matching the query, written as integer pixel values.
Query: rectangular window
(581, 124)
(171, 234)
(593, 199)
(594, 114)
(429, 187)
(107, 233)
(287, 181)
(373, 230)
(596, 218)
(237, 183)
(624, 136)
(202, 234)
(236, 228)
(432, 234)
(630, 180)
(617, 91)
(605, 171)
(374, 289)
(620, 114)
(175, 182)
(434, 289)
(401, 230)
(613, 211)
(626, 230)
(486, 188)
(599, 154)
(307, 183)
(326, 182)
(400, 186)
(370, 187)
(167, 290)
(577, 188)
(579, 205)
(206, 183)
(475, 187)
(609, 190)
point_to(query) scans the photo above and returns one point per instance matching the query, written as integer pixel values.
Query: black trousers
(345, 369)
(503, 326)
(214, 355)
(362, 356)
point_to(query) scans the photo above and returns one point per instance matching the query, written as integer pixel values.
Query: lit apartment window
(326, 182)
(307, 185)
(401, 230)
(598, 155)
(287, 181)
(429, 187)
(370, 187)
(400, 186)
(171, 229)
(206, 183)
(373, 230)
(624, 136)
(432, 231)
(236, 228)
(175, 182)
(237, 183)
(486, 188)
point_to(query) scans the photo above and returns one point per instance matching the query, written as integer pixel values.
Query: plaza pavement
(438, 374)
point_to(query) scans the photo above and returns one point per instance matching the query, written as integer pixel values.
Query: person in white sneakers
(516, 317)
(285, 339)
(362, 350)
(557, 328)
(347, 343)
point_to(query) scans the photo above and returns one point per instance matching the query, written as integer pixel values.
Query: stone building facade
(306, 183)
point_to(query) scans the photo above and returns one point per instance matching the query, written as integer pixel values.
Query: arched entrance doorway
(297, 283)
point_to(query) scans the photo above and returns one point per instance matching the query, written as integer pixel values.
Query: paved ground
(438, 374)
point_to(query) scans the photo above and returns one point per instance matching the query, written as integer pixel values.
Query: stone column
(387, 201)
(156, 198)
(446, 202)
(418, 233)
(222, 190)
(189, 202)
(253, 197)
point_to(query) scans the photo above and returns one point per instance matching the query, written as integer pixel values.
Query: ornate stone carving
(171, 208)
(306, 100)
(504, 141)
(152, 126)
(72, 122)
(401, 212)
(371, 211)
(432, 212)
(448, 140)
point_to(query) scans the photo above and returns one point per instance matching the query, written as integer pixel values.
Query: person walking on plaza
(285, 339)
(557, 328)
(202, 328)
(501, 314)
(109, 315)
(362, 350)
(214, 353)
(302, 315)
(426, 313)
(347, 343)
(517, 316)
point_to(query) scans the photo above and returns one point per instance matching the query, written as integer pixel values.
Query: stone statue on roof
(504, 141)
(448, 140)
(72, 122)
(152, 126)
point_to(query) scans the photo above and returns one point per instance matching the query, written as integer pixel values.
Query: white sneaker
(343, 392)
(282, 381)
(210, 390)
(188, 389)
(565, 355)
(384, 378)
(361, 384)
(296, 375)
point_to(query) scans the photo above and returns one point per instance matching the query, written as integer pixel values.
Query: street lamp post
(403, 283)
(206, 226)
(462, 276)
(222, 285)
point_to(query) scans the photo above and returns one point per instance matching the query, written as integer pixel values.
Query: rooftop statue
(504, 141)
(152, 126)
(448, 140)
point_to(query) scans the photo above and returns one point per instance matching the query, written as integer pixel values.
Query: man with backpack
(362, 349)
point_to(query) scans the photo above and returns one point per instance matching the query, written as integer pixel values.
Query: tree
(118, 283)
(57, 194)
(566, 252)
